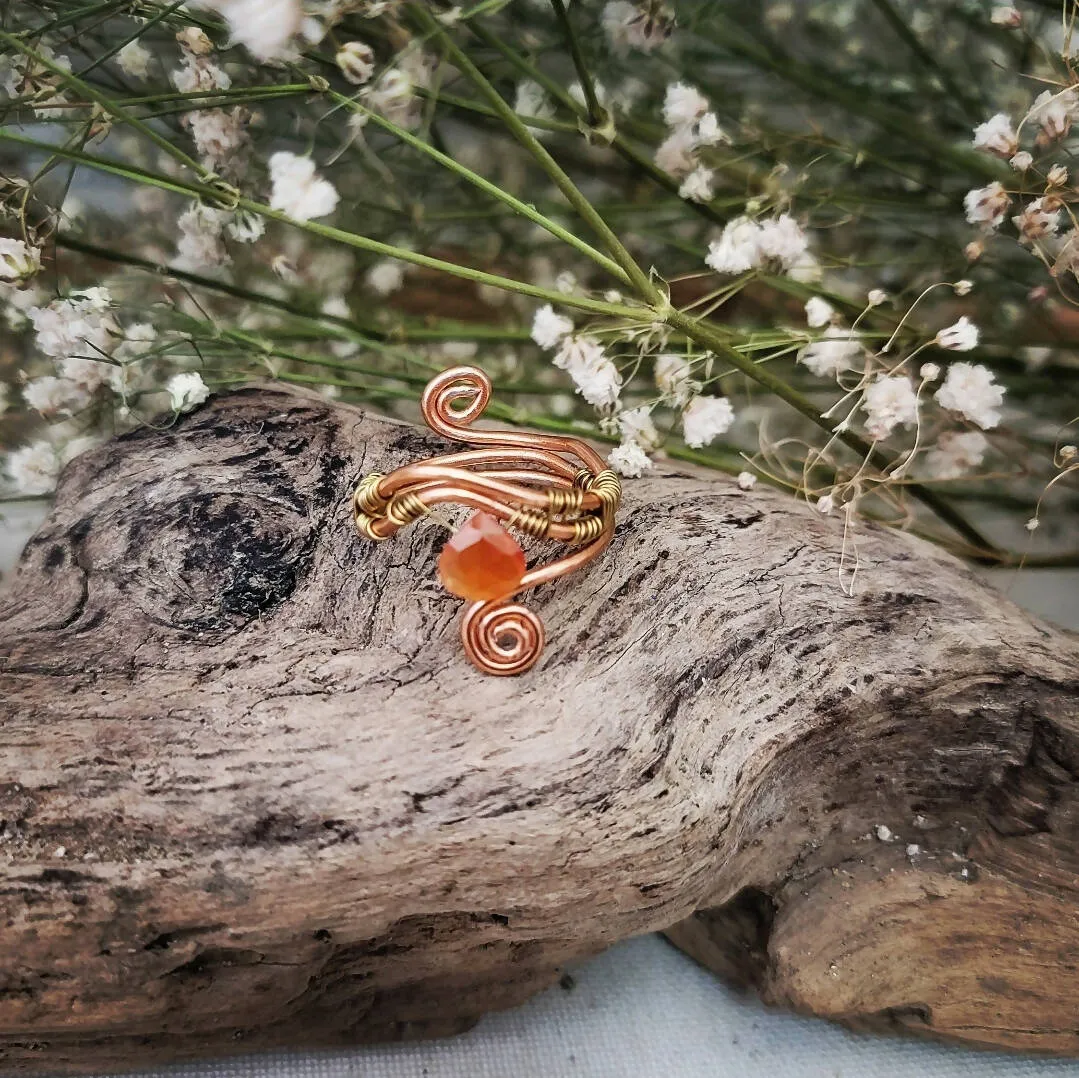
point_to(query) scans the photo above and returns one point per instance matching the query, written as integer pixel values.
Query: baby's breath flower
(961, 336)
(27, 76)
(1021, 161)
(34, 468)
(957, 453)
(19, 261)
(819, 312)
(195, 41)
(1053, 112)
(200, 245)
(393, 95)
(707, 131)
(832, 353)
(1032, 525)
(531, 100)
(1068, 453)
(738, 249)
(356, 59)
(1041, 218)
(246, 227)
(1057, 176)
(566, 282)
(629, 26)
(1006, 15)
(889, 402)
(876, 296)
(220, 136)
(595, 376)
(825, 504)
(929, 372)
(635, 425)
(548, 327)
(52, 396)
(997, 136)
(674, 378)
(697, 186)
(134, 59)
(683, 105)
(986, 206)
(782, 240)
(283, 267)
(970, 390)
(76, 325)
(198, 74)
(297, 188)
(746, 480)
(676, 153)
(704, 419)
(386, 276)
(264, 27)
(630, 460)
(963, 287)
(186, 391)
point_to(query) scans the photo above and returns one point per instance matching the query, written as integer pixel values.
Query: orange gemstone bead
(481, 560)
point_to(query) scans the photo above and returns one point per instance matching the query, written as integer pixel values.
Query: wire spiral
(541, 485)
(502, 639)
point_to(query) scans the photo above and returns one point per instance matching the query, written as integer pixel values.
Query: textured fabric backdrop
(642, 1010)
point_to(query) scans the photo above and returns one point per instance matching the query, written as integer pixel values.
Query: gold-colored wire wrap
(564, 501)
(534, 522)
(367, 498)
(404, 508)
(542, 485)
(587, 529)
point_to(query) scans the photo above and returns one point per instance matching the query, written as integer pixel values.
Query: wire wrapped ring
(544, 486)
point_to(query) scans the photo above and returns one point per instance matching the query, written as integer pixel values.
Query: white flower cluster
(97, 367)
(597, 379)
(746, 244)
(691, 125)
(642, 26)
(1038, 222)
(266, 28)
(393, 94)
(19, 261)
(24, 76)
(298, 190)
(580, 356)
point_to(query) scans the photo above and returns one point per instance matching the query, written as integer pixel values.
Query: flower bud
(193, 40)
(356, 61)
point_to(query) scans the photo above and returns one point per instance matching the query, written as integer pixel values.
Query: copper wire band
(544, 486)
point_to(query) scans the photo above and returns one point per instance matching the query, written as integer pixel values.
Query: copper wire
(545, 486)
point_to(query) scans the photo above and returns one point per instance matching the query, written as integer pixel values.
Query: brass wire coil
(367, 498)
(504, 475)
(404, 508)
(532, 522)
(562, 501)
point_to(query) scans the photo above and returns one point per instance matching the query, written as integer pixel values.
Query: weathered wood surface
(252, 795)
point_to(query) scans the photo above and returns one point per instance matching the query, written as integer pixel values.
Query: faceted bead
(481, 560)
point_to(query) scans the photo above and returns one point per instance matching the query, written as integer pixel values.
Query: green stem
(105, 102)
(351, 239)
(595, 112)
(484, 185)
(639, 279)
(133, 36)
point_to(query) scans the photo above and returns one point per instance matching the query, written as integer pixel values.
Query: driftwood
(252, 794)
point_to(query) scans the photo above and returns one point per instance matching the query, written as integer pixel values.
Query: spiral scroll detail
(456, 384)
(503, 639)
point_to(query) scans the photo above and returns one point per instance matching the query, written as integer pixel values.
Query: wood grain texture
(252, 795)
